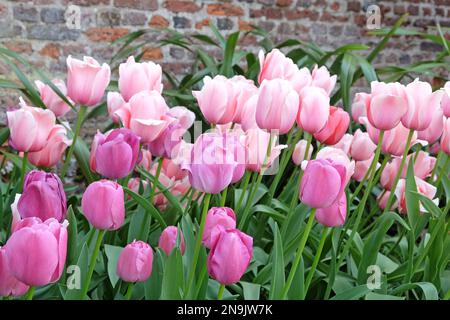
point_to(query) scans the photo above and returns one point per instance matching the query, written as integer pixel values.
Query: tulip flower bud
(345, 143)
(321, 78)
(445, 103)
(336, 126)
(230, 255)
(314, 109)
(168, 240)
(103, 205)
(257, 142)
(9, 285)
(334, 215)
(360, 105)
(362, 147)
(423, 187)
(43, 197)
(361, 168)
(338, 156)
(117, 107)
(435, 129)
(135, 262)
(445, 139)
(299, 152)
(218, 216)
(51, 100)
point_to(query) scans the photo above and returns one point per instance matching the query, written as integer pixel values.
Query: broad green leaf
(149, 208)
(278, 276)
(230, 46)
(354, 293)
(173, 278)
(113, 253)
(251, 290)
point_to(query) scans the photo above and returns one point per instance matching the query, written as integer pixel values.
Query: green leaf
(83, 264)
(352, 293)
(4, 135)
(113, 253)
(429, 290)
(173, 278)
(149, 208)
(278, 276)
(82, 154)
(72, 236)
(153, 285)
(346, 78)
(378, 296)
(429, 205)
(251, 290)
(230, 46)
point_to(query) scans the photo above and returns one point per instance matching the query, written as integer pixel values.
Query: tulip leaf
(113, 253)
(230, 45)
(173, 278)
(136, 221)
(251, 290)
(81, 152)
(78, 277)
(149, 208)
(72, 236)
(429, 205)
(429, 290)
(4, 135)
(278, 276)
(353, 293)
(153, 285)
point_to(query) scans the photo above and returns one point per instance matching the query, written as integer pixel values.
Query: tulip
(136, 77)
(115, 155)
(322, 184)
(445, 139)
(383, 198)
(117, 107)
(434, 130)
(334, 215)
(339, 157)
(299, 152)
(135, 262)
(218, 216)
(257, 142)
(29, 127)
(103, 205)
(321, 78)
(16, 218)
(235, 143)
(36, 251)
(9, 285)
(387, 106)
(52, 153)
(422, 105)
(446, 100)
(248, 114)
(134, 184)
(246, 89)
(335, 128)
(51, 100)
(146, 160)
(361, 168)
(230, 255)
(277, 106)
(423, 187)
(86, 80)
(345, 143)
(362, 147)
(314, 109)
(173, 170)
(360, 105)
(168, 240)
(43, 197)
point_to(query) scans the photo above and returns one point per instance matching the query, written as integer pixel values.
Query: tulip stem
(442, 172)
(433, 173)
(198, 243)
(30, 293)
(101, 234)
(399, 172)
(223, 199)
(298, 254)
(248, 175)
(80, 118)
(220, 293)
(24, 169)
(129, 292)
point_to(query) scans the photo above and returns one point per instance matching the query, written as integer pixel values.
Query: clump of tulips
(209, 205)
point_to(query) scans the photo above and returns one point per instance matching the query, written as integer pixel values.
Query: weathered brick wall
(37, 29)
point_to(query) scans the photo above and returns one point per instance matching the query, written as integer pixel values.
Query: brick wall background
(37, 29)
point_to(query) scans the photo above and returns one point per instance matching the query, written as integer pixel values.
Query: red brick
(51, 50)
(181, 6)
(19, 46)
(335, 6)
(86, 2)
(137, 4)
(151, 53)
(106, 34)
(284, 3)
(201, 24)
(225, 9)
(302, 14)
(158, 22)
(245, 25)
(272, 13)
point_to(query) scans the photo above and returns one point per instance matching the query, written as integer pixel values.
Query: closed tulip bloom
(146, 159)
(168, 240)
(383, 198)
(173, 170)
(423, 187)
(86, 80)
(422, 104)
(230, 255)
(43, 197)
(246, 89)
(336, 127)
(115, 155)
(435, 129)
(117, 107)
(322, 184)
(360, 105)
(136, 77)
(51, 100)
(235, 141)
(314, 109)
(388, 104)
(446, 100)
(218, 216)
(321, 78)
(135, 262)
(29, 127)
(103, 205)
(257, 142)
(445, 139)
(345, 143)
(361, 168)
(9, 285)
(277, 106)
(362, 147)
(248, 114)
(54, 149)
(333, 216)
(36, 251)
(338, 157)
(135, 184)
(16, 218)
(299, 152)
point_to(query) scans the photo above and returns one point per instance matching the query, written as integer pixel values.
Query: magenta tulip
(168, 240)
(218, 216)
(9, 285)
(135, 262)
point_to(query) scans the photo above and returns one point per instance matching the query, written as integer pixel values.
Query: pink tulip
(248, 114)
(246, 89)
(277, 106)
(362, 147)
(9, 285)
(230, 255)
(16, 218)
(321, 78)
(422, 105)
(86, 80)
(51, 99)
(387, 106)
(334, 215)
(446, 100)
(147, 116)
(36, 251)
(134, 184)
(434, 130)
(29, 127)
(235, 141)
(57, 143)
(173, 170)
(423, 188)
(257, 142)
(322, 184)
(136, 77)
(146, 160)
(103, 205)
(361, 168)
(383, 198)
(345, 143)
(314, 109)
(218, 216)
(445, 139)
(338, 157)
(334, 130)
(135, 262)
(168, 240)
(299, 152)
(360, 104)
(43, 197)
(117, 107)
(115, 155)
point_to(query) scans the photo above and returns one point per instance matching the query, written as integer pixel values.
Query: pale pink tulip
(314, 109)
(51, 99)
(321, 78)
(52, 153)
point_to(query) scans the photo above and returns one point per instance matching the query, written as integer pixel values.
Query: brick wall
(37, 29)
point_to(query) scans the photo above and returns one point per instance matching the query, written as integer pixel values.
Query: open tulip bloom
(257, 181)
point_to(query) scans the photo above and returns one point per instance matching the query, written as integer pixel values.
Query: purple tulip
(218, 216)
(9, 285)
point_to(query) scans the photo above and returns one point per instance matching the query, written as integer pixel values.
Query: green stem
(223, 199)
(438, 159)
(198, 243)
(101, 234)
(247, 177)
(30, 293)
(298, 255)
(220, 293)
(24, 169)
(443, 171)
(129, 291)
(80, 118)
